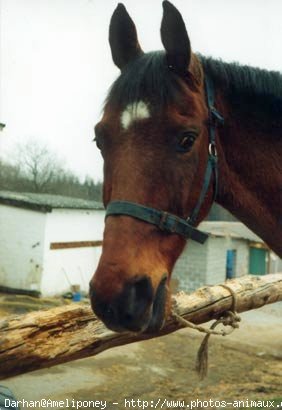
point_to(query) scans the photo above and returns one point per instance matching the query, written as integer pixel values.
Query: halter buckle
(163, 221)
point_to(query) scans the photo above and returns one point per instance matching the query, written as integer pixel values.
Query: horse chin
(159, 308)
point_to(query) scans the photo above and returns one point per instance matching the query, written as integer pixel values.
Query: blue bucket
(76, 297)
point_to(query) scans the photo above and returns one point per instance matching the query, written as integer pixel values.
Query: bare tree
(35, 168)
(39, 164)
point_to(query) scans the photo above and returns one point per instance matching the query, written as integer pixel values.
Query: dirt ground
(160, 373)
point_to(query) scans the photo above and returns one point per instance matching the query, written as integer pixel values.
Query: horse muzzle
(137, 308)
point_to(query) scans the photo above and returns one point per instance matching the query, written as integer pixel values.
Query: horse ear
(175, 39)
(123, 37)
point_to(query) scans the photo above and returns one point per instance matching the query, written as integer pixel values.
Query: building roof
(235, 230)
(46, 202)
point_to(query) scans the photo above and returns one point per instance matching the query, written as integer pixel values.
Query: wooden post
(46, 338)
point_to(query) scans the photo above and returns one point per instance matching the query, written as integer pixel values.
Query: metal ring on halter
(163, 221)
(212, 149)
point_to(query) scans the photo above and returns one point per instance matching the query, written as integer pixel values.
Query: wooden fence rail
(46, 338)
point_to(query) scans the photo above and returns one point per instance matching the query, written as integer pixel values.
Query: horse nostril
(143, 289)
(101, 308)
(109, 312)
(128, 317)
(134, 301)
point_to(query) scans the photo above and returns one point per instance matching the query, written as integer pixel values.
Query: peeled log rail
(46, 338)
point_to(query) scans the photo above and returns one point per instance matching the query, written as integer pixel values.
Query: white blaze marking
(134, 112)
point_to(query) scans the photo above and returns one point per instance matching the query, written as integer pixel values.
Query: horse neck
(250, 175)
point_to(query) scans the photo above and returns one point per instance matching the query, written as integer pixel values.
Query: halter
(168, 222)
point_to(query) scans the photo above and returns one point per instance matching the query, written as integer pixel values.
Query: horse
(178, 132)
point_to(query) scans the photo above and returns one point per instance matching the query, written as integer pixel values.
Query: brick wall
(201, 265)
(190, 269)
(216, 260)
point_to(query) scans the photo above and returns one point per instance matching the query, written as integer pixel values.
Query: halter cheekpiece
(168, 222)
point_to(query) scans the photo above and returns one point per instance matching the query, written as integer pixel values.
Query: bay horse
(167, 157)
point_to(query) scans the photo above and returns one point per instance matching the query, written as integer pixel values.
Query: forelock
(146, 79)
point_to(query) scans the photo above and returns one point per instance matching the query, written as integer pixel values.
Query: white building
(47, 242)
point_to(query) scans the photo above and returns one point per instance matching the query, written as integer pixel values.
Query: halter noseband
(169, 222)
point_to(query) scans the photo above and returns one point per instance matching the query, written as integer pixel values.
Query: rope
(228, 318)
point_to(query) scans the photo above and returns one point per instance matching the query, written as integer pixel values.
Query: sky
(56, 67)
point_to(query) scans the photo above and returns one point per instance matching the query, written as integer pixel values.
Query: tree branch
(46, 338)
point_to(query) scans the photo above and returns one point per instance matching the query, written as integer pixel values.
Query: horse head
(154, 139)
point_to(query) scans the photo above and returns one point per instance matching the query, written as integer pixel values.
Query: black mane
(253, 92)
(242, 78)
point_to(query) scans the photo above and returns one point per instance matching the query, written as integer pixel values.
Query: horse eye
(100, 133)
(186, 142)
(98, 142)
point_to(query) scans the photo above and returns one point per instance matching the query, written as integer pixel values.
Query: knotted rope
(228, 318)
